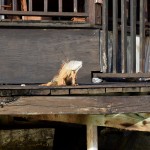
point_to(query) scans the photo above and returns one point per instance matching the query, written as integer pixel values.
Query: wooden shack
(111, 37)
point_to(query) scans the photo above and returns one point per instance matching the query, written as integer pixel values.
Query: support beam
(92, 137)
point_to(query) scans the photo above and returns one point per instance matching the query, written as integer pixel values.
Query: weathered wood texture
(35, 55)
(76, 105)
(130, 121)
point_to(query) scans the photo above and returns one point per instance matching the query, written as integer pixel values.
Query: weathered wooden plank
(35, 55)
(134, 89)
(60, 92)
(77, 105)
(113, 90)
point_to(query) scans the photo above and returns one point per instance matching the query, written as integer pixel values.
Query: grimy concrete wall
(23, 139)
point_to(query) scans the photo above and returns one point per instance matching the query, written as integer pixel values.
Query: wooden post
(1, 8)
(45, 5)
(14, 5)
(91, 11)
(92, 137)
(75, 6)
(60, 5)
(24, 8)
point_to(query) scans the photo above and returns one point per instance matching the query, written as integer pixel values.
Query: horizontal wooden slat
(80, 87)
(35, 13)
(77, 105)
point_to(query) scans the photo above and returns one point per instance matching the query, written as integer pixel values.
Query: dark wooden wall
(35, 55)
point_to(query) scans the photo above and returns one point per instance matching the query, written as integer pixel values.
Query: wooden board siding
(35, 55)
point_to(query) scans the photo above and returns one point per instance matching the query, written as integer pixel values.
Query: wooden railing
(128, 26)
(26, 9)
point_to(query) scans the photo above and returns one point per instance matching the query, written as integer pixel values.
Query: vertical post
(75, 6)
(146, 10)
(98, 12)
(92, 137)
(30, 5)
(133, 34)
(142, 35)
(60, 5)
(1, 3)
(91, 11)
(14, 5)
(115, 34)
(45, 5)
(124, 35)
(104, 53)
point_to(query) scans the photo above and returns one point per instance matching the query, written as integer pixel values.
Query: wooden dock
(118, 105)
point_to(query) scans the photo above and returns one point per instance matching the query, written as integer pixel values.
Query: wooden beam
(75, 105)
(92, 137)
(79, 87)
(131, 121)
(34, 13)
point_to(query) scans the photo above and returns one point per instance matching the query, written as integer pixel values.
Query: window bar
(124, 36)
(60, 5)
(104, 53)
(75, 6)
(14, 5)
(30, 5)
(142, 35)
(0, 4)
(133, 35)
(1, 8)
(115, 34)
(45, 5)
